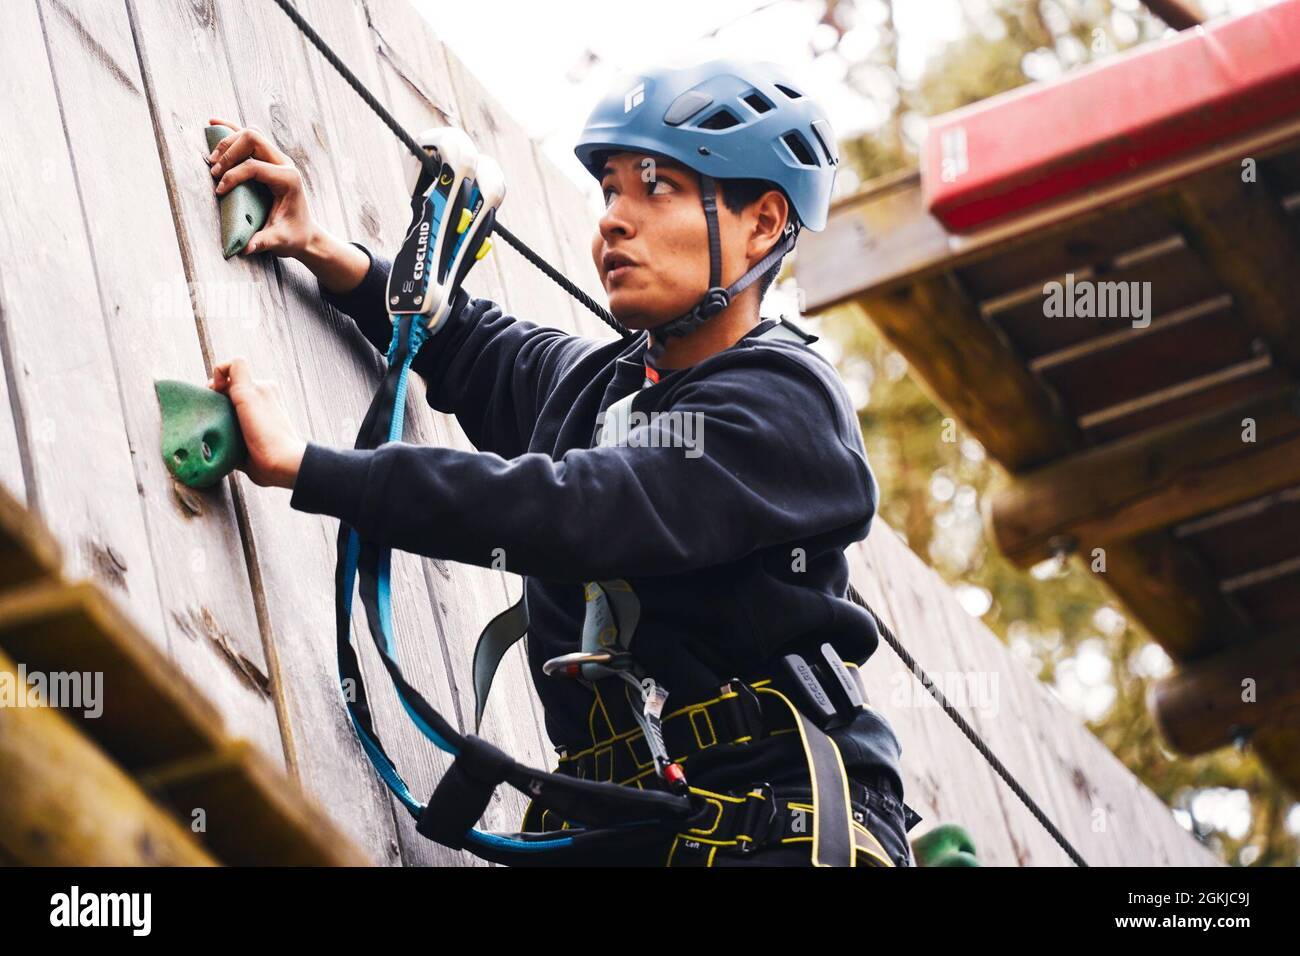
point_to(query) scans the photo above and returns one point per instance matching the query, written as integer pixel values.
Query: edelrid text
(421, 248)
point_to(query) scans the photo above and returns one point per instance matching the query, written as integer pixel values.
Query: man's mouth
(617, 264)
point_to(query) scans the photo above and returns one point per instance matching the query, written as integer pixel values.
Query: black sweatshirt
(734, 544)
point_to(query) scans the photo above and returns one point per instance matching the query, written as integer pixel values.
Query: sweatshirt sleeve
(753, 455)
(489, 369)
(365, 304)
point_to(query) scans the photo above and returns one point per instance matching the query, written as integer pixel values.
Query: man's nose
(617, 220)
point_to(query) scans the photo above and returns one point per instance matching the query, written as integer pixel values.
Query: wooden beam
(1216, 700)
(1171, 593)
(1279, 749)
(28, 552)
(1175, 13)
(151, 712)
(969, 367)
(252, 815)
(883, 235)
(1149, 481)
(65, 803)
(1246, 238)
(156, 724)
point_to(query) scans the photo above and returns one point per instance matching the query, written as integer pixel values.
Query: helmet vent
(757, 102)
(686, 106)
(722, 119)
(822, 130)
(800, 148)
(793, 94)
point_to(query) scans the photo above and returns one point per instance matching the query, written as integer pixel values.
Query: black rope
(967, 729)
(604, 315)
(561, 280)
(427, 161)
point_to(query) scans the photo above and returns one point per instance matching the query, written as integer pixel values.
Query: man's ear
(771, 211)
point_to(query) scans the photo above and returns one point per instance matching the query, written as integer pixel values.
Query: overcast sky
(534, 57)
(541, 72)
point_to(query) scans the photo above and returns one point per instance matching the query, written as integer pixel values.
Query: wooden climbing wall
(111, 277)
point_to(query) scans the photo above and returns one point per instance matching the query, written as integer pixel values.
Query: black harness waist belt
(738, 715)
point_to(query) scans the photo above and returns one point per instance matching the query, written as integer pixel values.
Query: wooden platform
(138, 769)
(1128, 436)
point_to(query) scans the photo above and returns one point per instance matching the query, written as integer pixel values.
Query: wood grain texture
(210, 616)
(290, 553)
(106, 820)
(936, 326)
(64, 374)
(1150, 482)
(156, 725)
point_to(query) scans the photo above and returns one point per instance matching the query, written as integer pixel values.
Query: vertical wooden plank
(370, 205)
(59, 354)
(418, 89)
(182, 50)
(11, 462)
(194, 538)
(945, 753)
(1004, 728)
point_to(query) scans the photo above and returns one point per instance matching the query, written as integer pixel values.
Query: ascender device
(453, 212)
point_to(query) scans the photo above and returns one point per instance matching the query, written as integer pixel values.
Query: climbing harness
(453, 208)
(455, 185)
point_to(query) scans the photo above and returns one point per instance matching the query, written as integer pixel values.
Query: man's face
(651, 245)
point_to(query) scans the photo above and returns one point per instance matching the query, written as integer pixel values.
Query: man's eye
(661, 182)
(608, 193)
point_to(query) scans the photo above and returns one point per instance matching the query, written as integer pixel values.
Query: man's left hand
(274, 449)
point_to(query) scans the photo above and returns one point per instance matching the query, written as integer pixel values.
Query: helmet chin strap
(717, 298)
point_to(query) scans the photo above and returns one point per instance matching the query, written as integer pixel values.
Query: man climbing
(713, 462)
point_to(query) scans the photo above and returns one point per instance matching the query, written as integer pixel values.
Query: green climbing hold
(201, 440)
(946, 845)
(244, 209)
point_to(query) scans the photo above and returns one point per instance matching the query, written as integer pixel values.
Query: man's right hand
(290, 230)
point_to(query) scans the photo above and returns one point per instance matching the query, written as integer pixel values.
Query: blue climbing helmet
(725, 119)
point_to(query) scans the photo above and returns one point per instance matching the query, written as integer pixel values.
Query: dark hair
(737, 194)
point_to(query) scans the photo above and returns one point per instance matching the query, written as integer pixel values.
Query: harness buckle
(749, 707)
(756, 824)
